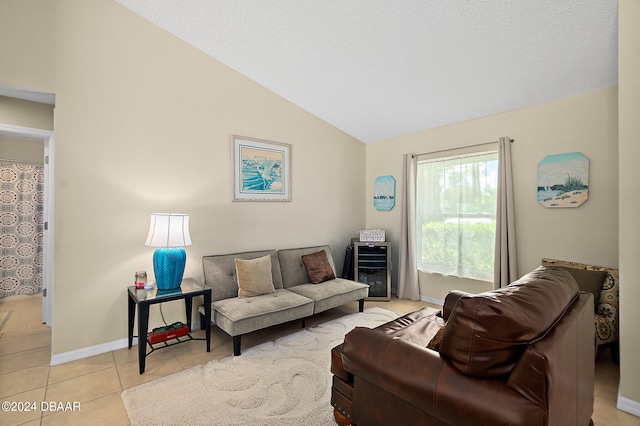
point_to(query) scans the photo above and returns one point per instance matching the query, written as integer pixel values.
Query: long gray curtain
(408, 276)
(505, 266)
(21, 218)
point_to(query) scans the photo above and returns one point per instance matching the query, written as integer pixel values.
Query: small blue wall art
(384, 193)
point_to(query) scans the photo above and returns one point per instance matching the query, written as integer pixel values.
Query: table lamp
(170, 233)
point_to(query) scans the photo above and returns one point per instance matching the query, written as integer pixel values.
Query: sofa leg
(340, 419)
(361, 305)
(304, 323)
(236, 345)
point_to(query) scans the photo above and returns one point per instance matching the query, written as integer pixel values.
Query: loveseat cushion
(487, 333)
(332, 293)
(292, 268)
(238, 316)
(220, 272)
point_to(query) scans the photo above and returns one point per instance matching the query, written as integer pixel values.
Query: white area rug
(285, 382)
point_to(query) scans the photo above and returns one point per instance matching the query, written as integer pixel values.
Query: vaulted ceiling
(382, 68)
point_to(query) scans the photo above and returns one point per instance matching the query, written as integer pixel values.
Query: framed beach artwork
(563, 180)
(261, 170)
(384, 192)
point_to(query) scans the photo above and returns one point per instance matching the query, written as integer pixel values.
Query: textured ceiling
(382, 68)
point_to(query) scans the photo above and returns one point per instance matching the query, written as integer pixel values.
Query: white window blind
(456, 215)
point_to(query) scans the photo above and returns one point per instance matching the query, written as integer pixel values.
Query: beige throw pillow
(254, 276)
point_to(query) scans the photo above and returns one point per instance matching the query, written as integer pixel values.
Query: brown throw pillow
(318, 267)
(434, 343)
(254, 276)
(589, 281)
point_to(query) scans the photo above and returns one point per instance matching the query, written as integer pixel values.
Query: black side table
(144, 298)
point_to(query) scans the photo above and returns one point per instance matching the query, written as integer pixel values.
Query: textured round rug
(284, 382)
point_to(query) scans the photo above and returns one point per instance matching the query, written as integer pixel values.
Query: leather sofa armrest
(399, 367)
(427, 380)
(336, 365)
(450, 302)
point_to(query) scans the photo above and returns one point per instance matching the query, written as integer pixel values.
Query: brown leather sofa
(520, 355)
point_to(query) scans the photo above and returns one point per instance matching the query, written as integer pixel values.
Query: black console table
(145, 298)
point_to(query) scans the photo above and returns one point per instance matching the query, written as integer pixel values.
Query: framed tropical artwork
(563, 180)
(261, 170)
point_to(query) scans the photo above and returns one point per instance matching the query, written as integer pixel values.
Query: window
(456, 215)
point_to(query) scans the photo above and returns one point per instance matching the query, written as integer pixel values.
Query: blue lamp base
(168, 267)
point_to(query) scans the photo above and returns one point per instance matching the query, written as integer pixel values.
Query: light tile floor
(97, 382)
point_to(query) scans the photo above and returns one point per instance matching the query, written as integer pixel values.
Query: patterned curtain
(21, 219)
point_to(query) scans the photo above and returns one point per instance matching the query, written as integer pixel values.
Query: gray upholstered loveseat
(294, 296)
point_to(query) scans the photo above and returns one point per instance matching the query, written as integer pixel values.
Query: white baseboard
(628, 405)
(91, 351)
(100, 349)
(432, 300)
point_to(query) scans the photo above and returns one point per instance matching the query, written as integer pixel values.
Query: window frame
(460, 271)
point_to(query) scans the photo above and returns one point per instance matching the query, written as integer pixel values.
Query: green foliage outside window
(456, 211)
(440, 242)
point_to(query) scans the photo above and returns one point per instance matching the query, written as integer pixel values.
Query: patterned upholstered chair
(606, 304)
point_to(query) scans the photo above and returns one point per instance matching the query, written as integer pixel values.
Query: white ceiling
(382, 68)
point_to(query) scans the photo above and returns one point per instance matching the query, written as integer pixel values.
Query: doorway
(47, 137)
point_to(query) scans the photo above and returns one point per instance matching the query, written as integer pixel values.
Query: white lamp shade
(169, 230)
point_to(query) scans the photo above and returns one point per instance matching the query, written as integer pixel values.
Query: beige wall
(143, 125)
(20, 149)
(629, 176)
(33, 53)
(16, 112)
(586, 123)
